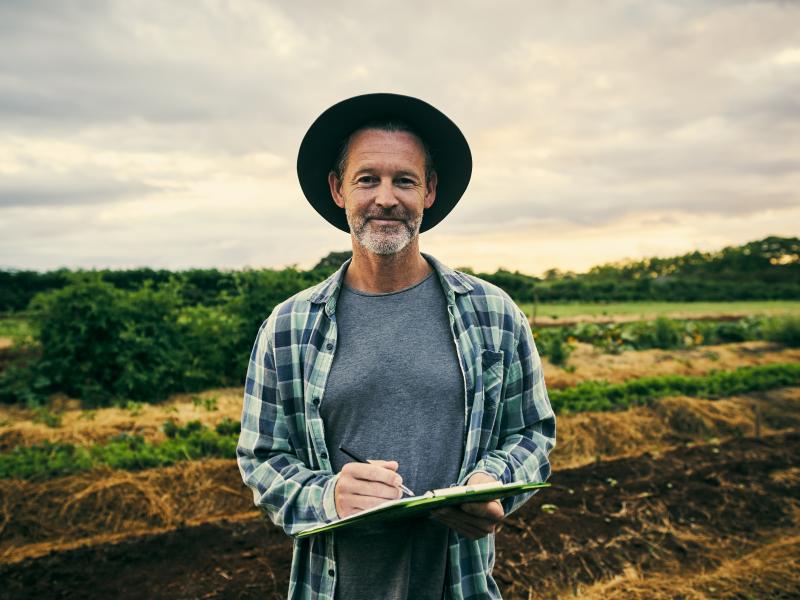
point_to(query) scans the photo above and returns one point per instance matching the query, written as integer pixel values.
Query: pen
(361, 460)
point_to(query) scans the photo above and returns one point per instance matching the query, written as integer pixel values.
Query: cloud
(580, 115)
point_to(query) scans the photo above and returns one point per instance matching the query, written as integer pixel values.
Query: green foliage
(664, 333)
(42, 415)
(552, 343)
(228, 427)
(604, 396)
(209, 402)
(784, 330)
(131, 452)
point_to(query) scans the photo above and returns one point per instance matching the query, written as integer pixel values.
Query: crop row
(666, 334)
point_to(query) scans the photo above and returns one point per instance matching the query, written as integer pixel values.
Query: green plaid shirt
(510, 426)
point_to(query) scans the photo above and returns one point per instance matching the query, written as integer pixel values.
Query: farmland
(680, 486)
(676, 383)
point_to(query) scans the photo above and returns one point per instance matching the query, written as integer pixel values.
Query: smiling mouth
(381, 221)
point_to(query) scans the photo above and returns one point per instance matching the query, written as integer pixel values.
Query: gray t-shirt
(395, 392)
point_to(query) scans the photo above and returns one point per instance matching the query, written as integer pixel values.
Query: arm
(294, 496)
(527, 424)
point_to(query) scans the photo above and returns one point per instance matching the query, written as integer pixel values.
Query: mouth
(380, 221)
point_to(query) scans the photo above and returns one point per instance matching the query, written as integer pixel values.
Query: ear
(336, 189)
(430, 190)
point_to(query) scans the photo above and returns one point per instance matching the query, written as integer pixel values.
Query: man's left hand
(473, 520)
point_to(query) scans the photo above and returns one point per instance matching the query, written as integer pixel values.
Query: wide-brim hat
(323, 140)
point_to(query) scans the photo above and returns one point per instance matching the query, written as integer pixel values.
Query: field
(683, 497)
(560, 314)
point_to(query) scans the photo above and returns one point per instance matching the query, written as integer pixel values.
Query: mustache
(387, 215)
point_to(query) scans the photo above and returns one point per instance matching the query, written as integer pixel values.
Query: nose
(384, 194)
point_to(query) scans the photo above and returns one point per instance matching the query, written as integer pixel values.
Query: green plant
(784, 330)
(603, 396)
(208, 402)
(45, 416)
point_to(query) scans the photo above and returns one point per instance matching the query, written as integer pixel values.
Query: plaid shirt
(510, 426)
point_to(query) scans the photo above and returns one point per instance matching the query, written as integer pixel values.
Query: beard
(380, 239)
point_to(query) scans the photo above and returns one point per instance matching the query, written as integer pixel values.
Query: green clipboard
(408, 507)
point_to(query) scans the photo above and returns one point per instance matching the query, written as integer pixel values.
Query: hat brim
(448, 146)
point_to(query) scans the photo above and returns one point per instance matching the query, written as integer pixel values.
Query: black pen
(361, 460)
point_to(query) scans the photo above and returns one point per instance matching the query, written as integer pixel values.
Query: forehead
(375, 147)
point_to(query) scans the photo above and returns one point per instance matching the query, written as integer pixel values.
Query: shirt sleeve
(527, 425)
(293, 496)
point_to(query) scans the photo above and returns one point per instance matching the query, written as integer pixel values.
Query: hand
(361, 486)
(473, 520)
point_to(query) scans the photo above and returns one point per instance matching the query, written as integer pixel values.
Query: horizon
(618, 263)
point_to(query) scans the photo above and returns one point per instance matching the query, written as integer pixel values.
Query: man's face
(383, 189)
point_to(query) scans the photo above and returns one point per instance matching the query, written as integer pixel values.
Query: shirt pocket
(492, 378)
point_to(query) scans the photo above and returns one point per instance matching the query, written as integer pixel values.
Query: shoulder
(291, 315)
(493, 305)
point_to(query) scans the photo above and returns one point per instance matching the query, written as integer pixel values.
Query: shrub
(784, 330)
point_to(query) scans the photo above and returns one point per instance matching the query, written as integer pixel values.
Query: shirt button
(330, 572)
(329, 346)
(316, 401)
(323, 455)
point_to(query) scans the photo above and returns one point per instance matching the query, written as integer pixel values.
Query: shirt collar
(452, 282)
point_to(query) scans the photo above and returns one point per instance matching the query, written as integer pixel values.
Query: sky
(165, 134)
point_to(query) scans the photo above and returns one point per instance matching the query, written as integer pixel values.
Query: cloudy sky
(165, 134)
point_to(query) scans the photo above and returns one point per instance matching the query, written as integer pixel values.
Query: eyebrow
(402, 173)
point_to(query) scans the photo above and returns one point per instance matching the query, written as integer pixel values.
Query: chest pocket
(492, 377)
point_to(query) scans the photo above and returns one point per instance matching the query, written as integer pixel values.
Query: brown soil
(37, 518)
(695, 513)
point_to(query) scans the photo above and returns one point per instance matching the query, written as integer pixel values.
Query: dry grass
(111, 502)
(84, 427)
(586, 437)
(770, 571)
(591, 363)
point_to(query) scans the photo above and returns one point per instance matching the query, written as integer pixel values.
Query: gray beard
(382, 242)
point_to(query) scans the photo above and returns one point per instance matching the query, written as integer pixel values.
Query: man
(430, 373)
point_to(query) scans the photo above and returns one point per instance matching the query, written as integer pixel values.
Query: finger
(464, 528)
(457, 517)
(370, 472)
(492, 510)
(360, 487)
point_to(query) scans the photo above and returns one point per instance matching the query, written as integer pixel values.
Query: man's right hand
(361, 486)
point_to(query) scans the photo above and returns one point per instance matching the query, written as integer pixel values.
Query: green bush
(784, 330)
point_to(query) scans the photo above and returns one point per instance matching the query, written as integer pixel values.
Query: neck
(382, 273)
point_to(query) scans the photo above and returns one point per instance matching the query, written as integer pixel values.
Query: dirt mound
(771, 571)
(682, 512)
(587, 437)
(37, 517)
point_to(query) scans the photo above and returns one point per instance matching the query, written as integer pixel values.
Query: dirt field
(696, 511)
(677, 500)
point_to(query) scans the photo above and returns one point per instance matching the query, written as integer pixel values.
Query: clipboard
(408, 507)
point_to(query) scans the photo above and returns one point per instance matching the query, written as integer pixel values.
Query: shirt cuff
(329, 512)
(492, 466)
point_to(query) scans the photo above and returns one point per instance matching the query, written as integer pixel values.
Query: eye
(366, 179)
(406, 182)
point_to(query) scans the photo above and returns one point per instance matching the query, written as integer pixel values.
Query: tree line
(767, 269)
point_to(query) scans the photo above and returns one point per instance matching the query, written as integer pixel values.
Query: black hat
(323, 140)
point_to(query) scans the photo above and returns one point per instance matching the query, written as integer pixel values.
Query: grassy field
(647, 310)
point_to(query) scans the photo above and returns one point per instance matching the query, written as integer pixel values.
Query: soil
(682, 511)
